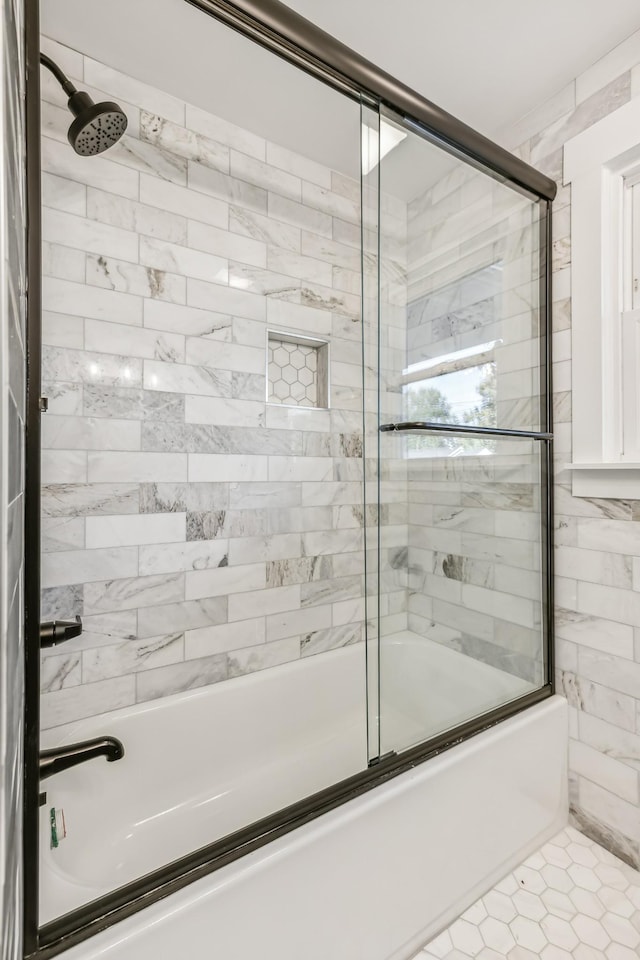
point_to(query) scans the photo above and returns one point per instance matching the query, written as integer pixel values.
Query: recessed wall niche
(297, 370)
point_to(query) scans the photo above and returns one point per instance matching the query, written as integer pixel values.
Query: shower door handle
(53, 632)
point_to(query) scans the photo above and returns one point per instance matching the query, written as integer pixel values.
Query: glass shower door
(462, 440)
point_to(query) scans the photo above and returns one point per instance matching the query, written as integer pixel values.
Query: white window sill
(614, 480)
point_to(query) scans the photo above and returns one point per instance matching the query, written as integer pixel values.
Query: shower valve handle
(53, 632)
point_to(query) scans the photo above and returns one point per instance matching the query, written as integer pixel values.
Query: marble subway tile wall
(201, 532)
(597, 540)
(474, 541)
(12, 418)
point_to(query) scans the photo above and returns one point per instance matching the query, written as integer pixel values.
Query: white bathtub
(372, 879)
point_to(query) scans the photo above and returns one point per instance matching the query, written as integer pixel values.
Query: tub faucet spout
(62, 758)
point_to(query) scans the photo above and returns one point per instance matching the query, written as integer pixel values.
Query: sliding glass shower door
(462, 442)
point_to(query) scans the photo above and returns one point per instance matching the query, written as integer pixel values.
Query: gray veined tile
(80, 366)
(213, 524)
(262, 656)
(133, 656)
(330, 591)
(282, 573)
(182, 142)
(128, 593)
(163, 681)
(62, 603)
(85, 700)
(183, 497)
(203, 438)
(142, 218)
(148, 158)
(62, 533)
(186, 379)
(133, 404)
(61, 671)
(319, 641)
(141, 281)
(73, 499)
(178, 617)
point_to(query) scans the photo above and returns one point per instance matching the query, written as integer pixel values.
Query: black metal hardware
(62, 758)
(418, 425)
(53, 632)
(283, 31)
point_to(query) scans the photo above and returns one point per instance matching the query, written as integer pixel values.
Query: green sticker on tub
(54, 828)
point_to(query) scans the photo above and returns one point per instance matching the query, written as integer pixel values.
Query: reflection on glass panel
(461, 533)
(472, 287)
(473, 637)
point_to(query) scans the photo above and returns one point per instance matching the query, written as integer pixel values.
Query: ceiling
(488, 62)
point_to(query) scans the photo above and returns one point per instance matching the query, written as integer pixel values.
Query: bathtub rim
(78, 925)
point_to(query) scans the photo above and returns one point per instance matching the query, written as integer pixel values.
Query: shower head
(97, 126)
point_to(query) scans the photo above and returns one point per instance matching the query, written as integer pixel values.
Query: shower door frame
(285, 33)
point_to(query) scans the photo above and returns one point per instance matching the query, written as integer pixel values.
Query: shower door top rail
(285, 32)
(418, 425)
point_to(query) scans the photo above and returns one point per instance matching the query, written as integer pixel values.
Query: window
(602, 164)
(457, 388)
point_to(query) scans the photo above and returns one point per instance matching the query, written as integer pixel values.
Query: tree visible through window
(473, 404)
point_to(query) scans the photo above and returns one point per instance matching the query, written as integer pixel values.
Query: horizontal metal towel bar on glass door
(462, 428)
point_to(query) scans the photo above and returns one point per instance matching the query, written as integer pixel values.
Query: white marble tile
(180, 141)
(131, 530)
(185, 379)
(222, 468)
(186, 321)
(300, 468)
(222, 243)
(134, 341)
(213, 183)
(62, 533)
(298, 165)
(614, 776)
(136, 467)
(178, 259)
(220, 581)
(298, 317)
(174, 617)
(90, 236)
(197, 555)
(79, 366)
(124, 659)
(265, 175)
(112, 274)
(299, 215)
(248, 223)
(170, 198)
(76, 299)
(223, 638)
(132, 593)
(86, 433)
(309, 269)
(160, 220)
(225, 300)
(59, 330)
(264, 655)
(70, 467)
(297, 622)
(264, 603)
(101, 173)
(225, 356)
(222, 411)
(163, 681)
(63, 262)
(85, 566)
(86, 700)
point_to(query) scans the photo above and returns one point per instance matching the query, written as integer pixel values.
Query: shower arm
(63, 80)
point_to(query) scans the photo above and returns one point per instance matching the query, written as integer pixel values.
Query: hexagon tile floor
(572, 900)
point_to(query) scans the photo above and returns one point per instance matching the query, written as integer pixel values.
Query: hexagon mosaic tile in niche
(572, 900)
(296, 372)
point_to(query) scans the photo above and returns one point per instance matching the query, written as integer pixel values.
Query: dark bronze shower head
(97, 126)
